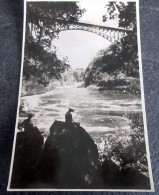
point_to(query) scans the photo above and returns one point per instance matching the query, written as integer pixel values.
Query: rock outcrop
(69, 159)
(27, 151)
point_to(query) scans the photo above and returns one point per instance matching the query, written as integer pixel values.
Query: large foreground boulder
(27, 152)
(69, 158)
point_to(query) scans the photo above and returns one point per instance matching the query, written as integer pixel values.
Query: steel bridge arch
(109, 33)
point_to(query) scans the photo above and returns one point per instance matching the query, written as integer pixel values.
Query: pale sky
(80, 46)
(95, 10)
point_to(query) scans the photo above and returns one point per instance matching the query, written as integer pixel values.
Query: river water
(102, 112)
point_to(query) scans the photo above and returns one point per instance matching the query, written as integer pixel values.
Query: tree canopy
(46, 18)
(128, 52)
(43, 23)
(122, 56)
(126, 13)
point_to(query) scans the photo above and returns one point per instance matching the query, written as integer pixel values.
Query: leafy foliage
(128, 147)
(125, 11)
(41, 63)
(47, 18)
(72, 75)
(121, 57)
(43, 23)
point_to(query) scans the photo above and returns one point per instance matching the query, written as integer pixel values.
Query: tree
(126, 13)
(45, 19)
(43, 23)
(128, 45)
(120, 57)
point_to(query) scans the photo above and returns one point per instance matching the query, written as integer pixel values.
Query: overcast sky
(80, 46)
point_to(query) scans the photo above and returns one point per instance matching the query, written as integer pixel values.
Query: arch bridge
(109, 33)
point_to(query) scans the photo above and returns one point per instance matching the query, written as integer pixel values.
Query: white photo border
(142, 99)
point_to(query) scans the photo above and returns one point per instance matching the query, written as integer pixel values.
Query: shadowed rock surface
(125, 177)
(27, 151)
(69, 158)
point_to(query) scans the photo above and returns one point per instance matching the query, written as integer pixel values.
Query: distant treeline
(71, 75)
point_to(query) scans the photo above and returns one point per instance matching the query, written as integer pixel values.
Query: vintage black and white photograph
(81, 121)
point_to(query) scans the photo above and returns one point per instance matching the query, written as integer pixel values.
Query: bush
(127, 147)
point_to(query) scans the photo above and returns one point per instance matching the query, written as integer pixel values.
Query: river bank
(127, 85)
(34, 88)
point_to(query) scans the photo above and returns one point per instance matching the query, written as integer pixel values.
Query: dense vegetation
(72, 75)
(43, 23)
(127, 147)
(118, 65)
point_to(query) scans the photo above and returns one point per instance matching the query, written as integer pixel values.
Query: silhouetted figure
(28, 149)
(68, 116)
(27, 123)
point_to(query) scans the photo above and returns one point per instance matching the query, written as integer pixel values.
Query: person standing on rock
(68, 116)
